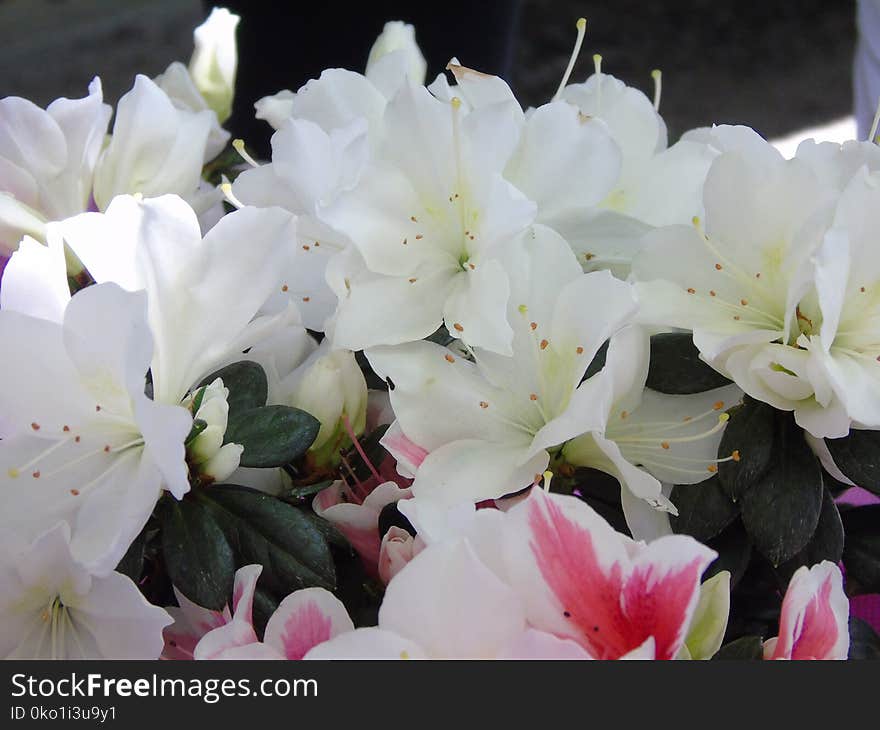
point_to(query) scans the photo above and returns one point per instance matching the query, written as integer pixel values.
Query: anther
(657, 75)
(735, 456)
(579, 41)
(226, 189)
(238, 146)
(712, 468)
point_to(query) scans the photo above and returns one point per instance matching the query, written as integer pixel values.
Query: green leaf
(781, 509)
(197, 555)
(265, 530)
(734, 553)
(825, 544)
(441, 336)
(263, 608)
(272, 435)
(198, 427)
(306, 490)
(858, 456)
(247, 384)
(750, 433)
(864, 642)
(861, 552)
(704, 510)
(676, 367)
(746, 648)
(132, 563)
(598, 361)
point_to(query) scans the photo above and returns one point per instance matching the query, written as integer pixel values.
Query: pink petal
(305, 619)
(243, 592)
(813, 623)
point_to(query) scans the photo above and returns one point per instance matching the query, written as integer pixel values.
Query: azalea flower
(657, 185)
(649, 438)
(47, 158)
(430, 228)
(304, 619)
(814, 620)
(53, 608)
(488, 426)
(397, 36)
(82, 443)
(742, 282)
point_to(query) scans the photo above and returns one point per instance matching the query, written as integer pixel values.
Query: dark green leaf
(247, 384)
(272, 435)
(749, 433)
(274, 534)
(132, 563)
(780, 510)
(331, 535)
(746, 648)
(864, 642)
(858, 456)
(441, 337)
(676, 366)
(198, 557)
(861, 552)
(734, 553)
(264, 606)
(599, 490)
(825, 544)
(704, 510)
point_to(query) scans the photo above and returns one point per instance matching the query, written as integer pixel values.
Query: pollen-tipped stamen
(579, 41)
(238, 146)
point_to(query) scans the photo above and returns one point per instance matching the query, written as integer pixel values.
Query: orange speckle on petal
(285, 288)
(718, 405)
(306, 247)
(35, 426)
(107, 449)
(744, 302)
(413, 280)
(624, 414)
(66, 429)
(544, 344)
(74, 492)
(580, 350)
(449, 358)
(36, 474)
(712, 293)
(533, 396)
(419, 236)
(533, 325)
(664, 444)
(483, 404)
(691, 290)
(307, 299)
(457, 327)
(718, 267)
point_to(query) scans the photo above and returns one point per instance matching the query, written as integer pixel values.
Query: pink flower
(398, 548)
(582, 580)
(813, 623)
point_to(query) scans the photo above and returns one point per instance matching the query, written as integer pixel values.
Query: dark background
(779, 66)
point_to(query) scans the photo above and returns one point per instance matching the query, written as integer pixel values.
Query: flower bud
(333, 389)
(710, 617)
(207, 452)
(399, 36)
(223, 462)
(398, 548)
(215, 61)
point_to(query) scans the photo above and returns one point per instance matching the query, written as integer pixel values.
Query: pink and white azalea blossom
(397, 549)
(192, 622)
(304, 619)
(813, 623)
(47, 160)
(356, 515)
(422, 615)
(53, 608)
(488, 426)
(580, 579)
(81, 442)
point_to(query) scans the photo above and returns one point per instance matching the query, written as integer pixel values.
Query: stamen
(657, 75)
(350, 431)
(579, 41)
(238, 145)
(548, 477)
(226, 189)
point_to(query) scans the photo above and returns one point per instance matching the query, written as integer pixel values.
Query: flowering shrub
(444, 377)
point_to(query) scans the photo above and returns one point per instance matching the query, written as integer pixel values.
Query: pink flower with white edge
(580, 579)
(814, 619)
(356, 515)
(192, 622)
(304, 619)
(398, 548)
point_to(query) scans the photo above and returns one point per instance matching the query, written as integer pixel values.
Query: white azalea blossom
(156, 148)
(488, 426)
(47, 159)
(648, 438)
(81, 442)
(214, 62)
(742, 280)
(53, 608)
(400, 37)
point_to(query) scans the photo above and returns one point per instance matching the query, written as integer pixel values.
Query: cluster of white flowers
(390, 209)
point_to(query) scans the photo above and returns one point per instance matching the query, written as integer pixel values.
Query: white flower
(657, 186)
(208, 453)
(54, 609)
(648, 438)
(489, 426)
(398, 37)
(81, 442)
(47, 159)
(215, 61)
(743, 284)
(156, 148)
(430, 216)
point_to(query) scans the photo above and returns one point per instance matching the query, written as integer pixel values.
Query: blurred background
(778, 66)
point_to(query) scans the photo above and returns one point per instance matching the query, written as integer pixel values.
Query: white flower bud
(399, 36)
(215, 61)
(223, 463)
